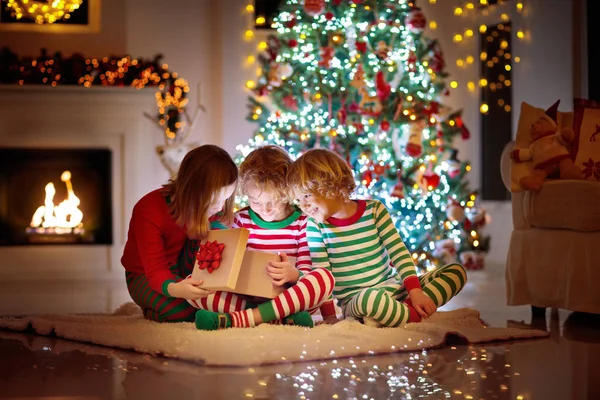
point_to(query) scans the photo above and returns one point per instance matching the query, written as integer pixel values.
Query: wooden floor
(563, 366)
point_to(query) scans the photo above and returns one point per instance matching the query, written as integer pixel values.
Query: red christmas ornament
(314, 7)
(291, 23)
(326, 57)
(262, 91)
(414, 145)
(383, 88)
(342, 115)
(367, 177)
(412, 59)
(464, 132)
(430, 179)
(329, 16)
(361, 47)
(290, 102)
(353, 108)
(437, 63)
(359, 127)
(415, 21)
(385, 125)
(209, 255)
(379, 169)
(336, 2)
(468, 225)
(292, 43)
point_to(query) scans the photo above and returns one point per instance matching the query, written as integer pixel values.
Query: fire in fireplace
(35, 209)
(62, 219)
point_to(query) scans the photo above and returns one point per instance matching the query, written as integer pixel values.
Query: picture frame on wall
(264, 12)
(85, 19)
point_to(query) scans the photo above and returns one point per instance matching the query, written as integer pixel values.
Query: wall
(186, 33)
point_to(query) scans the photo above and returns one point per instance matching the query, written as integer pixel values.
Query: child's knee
(459, 271)
(367, 298)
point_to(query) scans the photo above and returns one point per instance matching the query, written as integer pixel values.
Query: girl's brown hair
(203, 172)
(321, 171)
(266, 168)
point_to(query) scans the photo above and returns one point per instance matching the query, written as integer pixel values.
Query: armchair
(554, 252)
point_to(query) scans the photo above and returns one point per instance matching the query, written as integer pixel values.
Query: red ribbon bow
(209, 255)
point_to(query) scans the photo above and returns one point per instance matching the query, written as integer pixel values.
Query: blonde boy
(375, 277)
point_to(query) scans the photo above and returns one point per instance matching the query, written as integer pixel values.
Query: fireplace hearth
(55, 196)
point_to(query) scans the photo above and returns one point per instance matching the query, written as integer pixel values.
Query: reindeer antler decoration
(173, 119)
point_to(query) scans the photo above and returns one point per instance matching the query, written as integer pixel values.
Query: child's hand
(422, 303)
(188, 289)
(282, 271)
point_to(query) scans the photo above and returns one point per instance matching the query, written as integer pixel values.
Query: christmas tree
(360, 78)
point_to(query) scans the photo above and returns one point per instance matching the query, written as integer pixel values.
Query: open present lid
(226, 275)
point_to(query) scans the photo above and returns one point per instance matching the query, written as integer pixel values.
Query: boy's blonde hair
(203, 172)
(266, 168)
(321, 171)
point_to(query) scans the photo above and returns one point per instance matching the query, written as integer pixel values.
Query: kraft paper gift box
(241, 271)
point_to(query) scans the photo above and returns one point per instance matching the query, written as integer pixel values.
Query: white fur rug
(265, 344)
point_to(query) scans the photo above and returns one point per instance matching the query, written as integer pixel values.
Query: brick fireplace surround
(77, 117)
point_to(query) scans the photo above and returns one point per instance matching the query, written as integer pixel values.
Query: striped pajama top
(362, 251)
(287, 236)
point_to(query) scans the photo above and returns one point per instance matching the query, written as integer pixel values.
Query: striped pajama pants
(311, 290)
(156, 306)
(385, 303)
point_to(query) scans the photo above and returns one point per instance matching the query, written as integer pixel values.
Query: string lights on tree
(362, 79)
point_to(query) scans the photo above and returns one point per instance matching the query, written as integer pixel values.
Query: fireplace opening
(55, 196)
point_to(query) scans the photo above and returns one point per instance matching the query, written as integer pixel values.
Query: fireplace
(101, 137)
(55, 196)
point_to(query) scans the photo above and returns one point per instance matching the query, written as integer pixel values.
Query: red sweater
(154, 242)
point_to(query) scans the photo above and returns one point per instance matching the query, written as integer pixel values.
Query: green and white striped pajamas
(372, 267)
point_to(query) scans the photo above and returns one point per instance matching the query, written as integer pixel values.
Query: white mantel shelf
(41, 116)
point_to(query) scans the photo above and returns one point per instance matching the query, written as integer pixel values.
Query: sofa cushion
(564, 204)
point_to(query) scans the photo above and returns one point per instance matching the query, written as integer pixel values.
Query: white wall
(186, 32)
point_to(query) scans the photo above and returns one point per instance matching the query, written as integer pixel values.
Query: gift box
(239, 270)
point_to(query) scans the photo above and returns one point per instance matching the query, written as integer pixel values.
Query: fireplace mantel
(78, 117)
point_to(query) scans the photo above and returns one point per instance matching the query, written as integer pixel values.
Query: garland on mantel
(54, 70)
